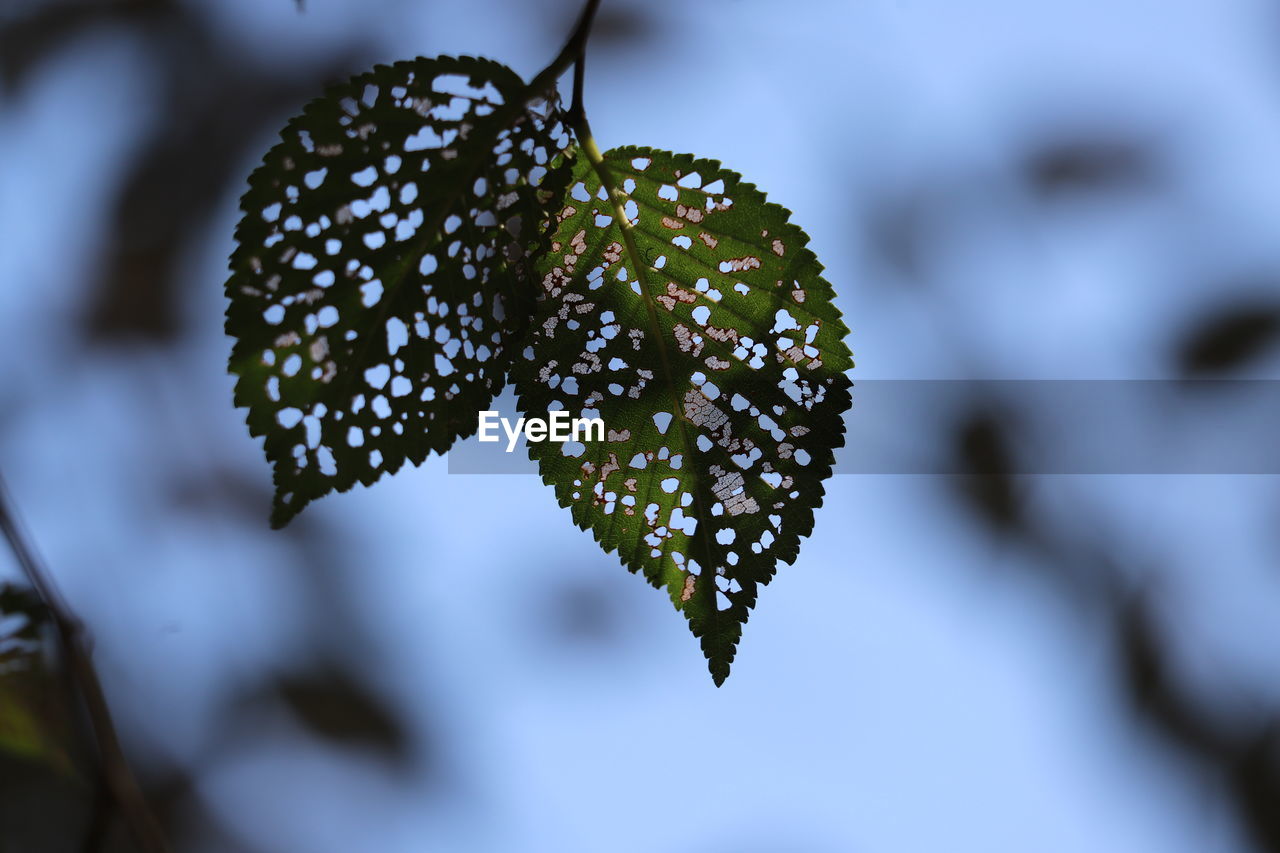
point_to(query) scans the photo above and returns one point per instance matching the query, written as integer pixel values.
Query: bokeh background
(1000, 190)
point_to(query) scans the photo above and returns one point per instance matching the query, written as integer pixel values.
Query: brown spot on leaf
(718, 334)
(690, 213)
(700, 411)
(319, 349)
(684, 340)
(609, 467)
(680, 293)
(730, 489)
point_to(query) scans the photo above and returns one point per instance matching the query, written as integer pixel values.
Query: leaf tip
(720, 658)
(284, 508)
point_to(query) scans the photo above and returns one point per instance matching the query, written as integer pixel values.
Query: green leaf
(382, 270)
(686, 312)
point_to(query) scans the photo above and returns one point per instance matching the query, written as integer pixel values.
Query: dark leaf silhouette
(327, 699)
(381, 272)
(334, 706)
(1088, 165)
(1230, 340)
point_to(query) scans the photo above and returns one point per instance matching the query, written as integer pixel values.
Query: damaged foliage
(429, 227)
(687, 313)
(382, 269)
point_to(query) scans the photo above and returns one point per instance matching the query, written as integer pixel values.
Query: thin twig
(117, 777)
(577, 112)
(573, 49)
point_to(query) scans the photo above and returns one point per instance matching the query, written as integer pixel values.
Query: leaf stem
(579, 72)
(117, 778)
(572, 52)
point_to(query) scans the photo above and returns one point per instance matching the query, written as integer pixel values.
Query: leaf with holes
(382, 270)
(686, 312)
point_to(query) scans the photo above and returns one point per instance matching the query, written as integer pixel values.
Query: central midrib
(707, 572)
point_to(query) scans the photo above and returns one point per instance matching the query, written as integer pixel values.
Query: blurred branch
(117, 779)
(1245, 760)
(30, 37)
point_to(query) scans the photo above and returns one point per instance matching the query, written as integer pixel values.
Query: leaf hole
(315, 178)
(328, 465)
